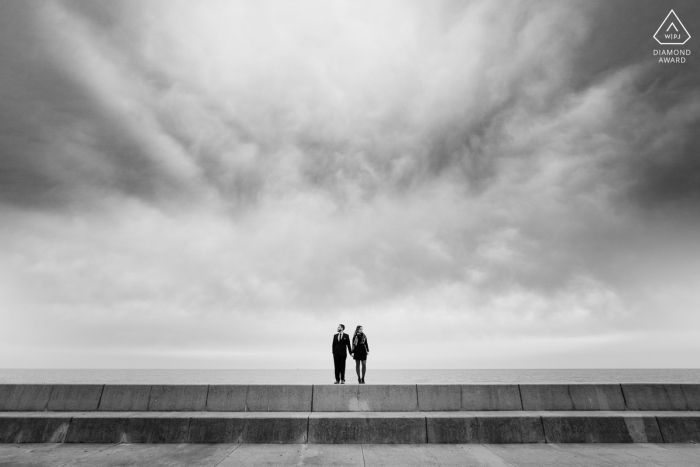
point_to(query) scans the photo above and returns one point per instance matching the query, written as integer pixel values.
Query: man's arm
(347, 342)
(332, 343)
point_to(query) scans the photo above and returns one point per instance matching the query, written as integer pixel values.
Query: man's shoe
(342, 382)
(336, 382)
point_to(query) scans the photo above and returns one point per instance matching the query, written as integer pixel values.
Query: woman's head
(358, 330)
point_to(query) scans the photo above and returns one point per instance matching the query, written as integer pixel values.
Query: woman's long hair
(359, 337)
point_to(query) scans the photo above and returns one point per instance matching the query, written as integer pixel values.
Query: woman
(360, 349)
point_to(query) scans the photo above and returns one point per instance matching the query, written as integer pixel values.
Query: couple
(359, 351)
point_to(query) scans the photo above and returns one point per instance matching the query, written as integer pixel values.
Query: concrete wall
(350, 427)
(349, 398)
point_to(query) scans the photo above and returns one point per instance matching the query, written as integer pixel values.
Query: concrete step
(351, 428)
(348, 398)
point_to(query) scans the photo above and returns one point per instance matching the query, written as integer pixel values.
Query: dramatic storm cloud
(218, 184)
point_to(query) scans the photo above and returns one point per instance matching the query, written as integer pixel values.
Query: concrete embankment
(462, 413)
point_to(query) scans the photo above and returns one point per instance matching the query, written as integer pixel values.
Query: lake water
(376, 376)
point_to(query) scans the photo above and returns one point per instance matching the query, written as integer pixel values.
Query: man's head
(341, 328)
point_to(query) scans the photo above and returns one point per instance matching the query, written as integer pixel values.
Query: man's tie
(338, 337)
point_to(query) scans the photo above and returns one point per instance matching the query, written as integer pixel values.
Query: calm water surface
(375, 376)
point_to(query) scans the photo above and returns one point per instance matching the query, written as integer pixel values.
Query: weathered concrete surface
(336, 398)
(232, 455)
(227, 398)
(510, 427)
(47, 454)
(125, 397)
(33, 427)
(692, 396)
(217, 427)
(566, 397)
(279, 398)
(74, 397)
(24, 397)
(178, 398)
(163, 455)
(489, 397)
(569, 455)
(369, 427)
(600, 427)
(654, 397)
(249, 455)
(439, 397)
(683, 427)
(282, 427)
(452, 427)
(388, 398)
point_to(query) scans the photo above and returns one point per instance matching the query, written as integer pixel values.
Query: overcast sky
(218, 184)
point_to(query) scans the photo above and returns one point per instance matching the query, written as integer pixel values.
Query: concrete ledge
(388, 398)
(24, 397)
(654, 397)
(283, 427)
(489, 397)
(74, 397)
(370, 427)
(609, 427)
(125, 397)
(178, 398)
(279, 398)
(510, 428)
(439, 397)
(692, 395)
(33, 427)
(227, 398)
(680, 428)
(567, 397)
(349, 427)
(484, 427)
(452, 427)
(336, 398)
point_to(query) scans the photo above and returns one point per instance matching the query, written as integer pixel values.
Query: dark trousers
(339, 363)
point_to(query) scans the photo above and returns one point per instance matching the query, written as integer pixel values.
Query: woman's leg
(364, 369)
(357, 369)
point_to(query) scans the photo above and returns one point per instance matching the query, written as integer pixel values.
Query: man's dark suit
(340, 354)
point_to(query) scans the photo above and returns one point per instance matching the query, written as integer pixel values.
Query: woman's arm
(366, 344)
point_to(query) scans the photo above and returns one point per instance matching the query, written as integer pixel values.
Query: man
(341, 341)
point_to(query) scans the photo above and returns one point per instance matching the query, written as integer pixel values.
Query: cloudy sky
(218, 184)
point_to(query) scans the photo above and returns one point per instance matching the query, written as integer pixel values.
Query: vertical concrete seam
(687, 405)
(247, 393)
(189, 425)
(461, 397)
(520, 393)
(624, 399)
(148, 402)
(658, 424)
(48, 400)
(99, 401)
(308, 422)
(206, 401)
(312, 397)
(568, 391)
(544, 433)
(417, 402)
(668, 396)
(362, 447)
(427, 440)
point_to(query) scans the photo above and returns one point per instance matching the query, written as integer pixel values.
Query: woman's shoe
(362, 381)
(359, 381)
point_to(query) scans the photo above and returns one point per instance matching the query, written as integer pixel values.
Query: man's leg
(342, 369)
(336, 368)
